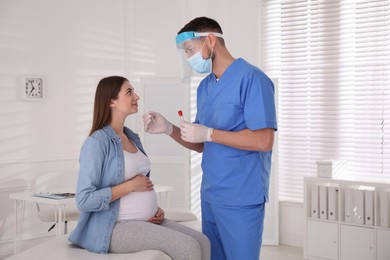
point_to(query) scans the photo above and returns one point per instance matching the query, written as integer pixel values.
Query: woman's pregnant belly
(138, 206)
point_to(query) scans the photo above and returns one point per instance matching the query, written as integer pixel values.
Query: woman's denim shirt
(101, 167)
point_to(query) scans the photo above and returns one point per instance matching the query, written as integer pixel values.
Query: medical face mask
(199, 64)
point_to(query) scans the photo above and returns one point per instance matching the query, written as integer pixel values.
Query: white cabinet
(356, 224)
(322, 239)
(383, 247)
(356, 243)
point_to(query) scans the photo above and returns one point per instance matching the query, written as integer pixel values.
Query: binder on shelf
(384, 208)
(348, 205)
(314, 201)
(369, 207)
(359, 206)
(333, 197)
(323, 202)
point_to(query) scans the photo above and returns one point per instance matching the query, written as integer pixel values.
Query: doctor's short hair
(203, 24)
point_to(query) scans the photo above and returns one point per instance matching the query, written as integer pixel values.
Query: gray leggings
(177, 241)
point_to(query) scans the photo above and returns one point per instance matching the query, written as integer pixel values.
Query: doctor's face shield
(193, 43)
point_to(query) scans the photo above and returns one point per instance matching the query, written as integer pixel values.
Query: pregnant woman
(115, 196)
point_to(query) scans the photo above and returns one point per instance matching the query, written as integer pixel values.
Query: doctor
(234, 128)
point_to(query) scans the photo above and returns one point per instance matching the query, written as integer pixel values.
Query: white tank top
(137, 205)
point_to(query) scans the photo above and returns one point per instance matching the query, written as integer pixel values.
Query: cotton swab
(181, 115)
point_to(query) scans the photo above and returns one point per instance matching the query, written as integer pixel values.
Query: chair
(59, 181)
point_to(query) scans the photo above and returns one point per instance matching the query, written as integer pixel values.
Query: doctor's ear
(211, 39)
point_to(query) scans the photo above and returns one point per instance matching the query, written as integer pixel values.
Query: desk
(60, 209)
(22, 198)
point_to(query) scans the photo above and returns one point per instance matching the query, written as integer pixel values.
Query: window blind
(332, 59)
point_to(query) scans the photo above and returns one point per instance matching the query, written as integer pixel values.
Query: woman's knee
(190, 249)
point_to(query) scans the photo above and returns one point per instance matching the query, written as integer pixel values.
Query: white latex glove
(155, 123)
(195, 133)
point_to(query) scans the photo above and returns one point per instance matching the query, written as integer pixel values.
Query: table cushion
(59, 248)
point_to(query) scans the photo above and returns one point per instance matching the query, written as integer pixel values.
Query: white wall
(73, 44)
(291, 223)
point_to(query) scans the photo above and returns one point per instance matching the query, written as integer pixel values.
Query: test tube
(180, 113)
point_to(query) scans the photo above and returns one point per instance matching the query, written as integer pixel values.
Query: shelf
(358, 211)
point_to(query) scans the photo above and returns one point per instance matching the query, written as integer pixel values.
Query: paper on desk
(56, 196)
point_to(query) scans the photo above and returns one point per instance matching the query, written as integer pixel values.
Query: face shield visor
(192, 43)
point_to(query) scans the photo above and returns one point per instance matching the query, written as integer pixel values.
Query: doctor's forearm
(258, 140)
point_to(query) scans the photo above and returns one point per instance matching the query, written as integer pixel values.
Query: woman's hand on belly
(158, 218)
(140, 183)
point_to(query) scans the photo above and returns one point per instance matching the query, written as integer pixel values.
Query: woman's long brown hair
(107, 90)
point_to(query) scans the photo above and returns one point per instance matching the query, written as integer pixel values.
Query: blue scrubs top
(242, 98)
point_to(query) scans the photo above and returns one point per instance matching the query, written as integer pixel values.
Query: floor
(281, 252)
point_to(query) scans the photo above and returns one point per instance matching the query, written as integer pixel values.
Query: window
(332, 59)
(195, 157)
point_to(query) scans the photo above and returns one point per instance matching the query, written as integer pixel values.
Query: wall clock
(33, 88)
